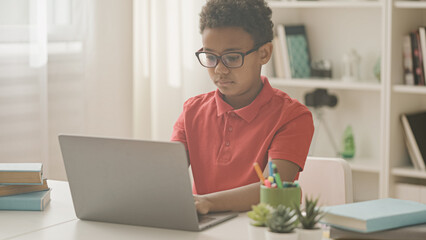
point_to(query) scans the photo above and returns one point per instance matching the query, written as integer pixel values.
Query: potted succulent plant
(258, 216)
(281, 224)
(308, 219)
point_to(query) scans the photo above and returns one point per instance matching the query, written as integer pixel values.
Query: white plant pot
(256, 233)
(309, 234)
(281, 236)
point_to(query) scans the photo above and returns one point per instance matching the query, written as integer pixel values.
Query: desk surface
(60, 210)
(58, 221)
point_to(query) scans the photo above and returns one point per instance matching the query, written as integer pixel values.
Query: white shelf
(408, 172)
(410, 4)
(325, 4)
(328, 84)
(364, 165)
(409, 89)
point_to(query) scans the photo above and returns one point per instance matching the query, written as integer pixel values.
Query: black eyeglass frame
(256, 47)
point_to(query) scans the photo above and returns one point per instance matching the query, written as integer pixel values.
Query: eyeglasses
(229, 59)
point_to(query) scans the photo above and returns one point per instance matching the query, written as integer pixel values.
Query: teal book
(21, 173)
(298, 51)
(375, 215)
(34, 201)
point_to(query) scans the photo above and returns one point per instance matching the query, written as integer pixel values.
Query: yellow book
(6, 190)
(21, 173)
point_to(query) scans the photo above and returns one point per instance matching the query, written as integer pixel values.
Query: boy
(245, 120)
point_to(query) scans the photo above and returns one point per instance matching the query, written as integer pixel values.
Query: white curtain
(119, 68)
(65, 67)
(166, 71)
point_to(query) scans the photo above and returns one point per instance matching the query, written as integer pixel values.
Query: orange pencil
(258, 171)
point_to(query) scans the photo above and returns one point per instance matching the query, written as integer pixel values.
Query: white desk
(60, 210)
(58, 221)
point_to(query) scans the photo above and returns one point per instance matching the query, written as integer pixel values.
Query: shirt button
(230, 129)
(227, 143)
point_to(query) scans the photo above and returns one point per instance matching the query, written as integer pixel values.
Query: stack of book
(414, 56)
(22, 187)
(377, 219)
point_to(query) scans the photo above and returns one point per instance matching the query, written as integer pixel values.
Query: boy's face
(233, 82)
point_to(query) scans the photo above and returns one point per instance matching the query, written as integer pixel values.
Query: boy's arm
(242, 198)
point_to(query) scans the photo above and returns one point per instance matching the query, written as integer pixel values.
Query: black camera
(320, 97)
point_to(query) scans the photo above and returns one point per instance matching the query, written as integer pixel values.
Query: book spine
(407, 61)
(278, 61)
(415, 54)
(23, 202)
(421, 69)
(32, 204)
(422, 39)
(284, 51)
(6, 190)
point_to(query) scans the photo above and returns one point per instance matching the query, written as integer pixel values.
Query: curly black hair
(254, 16)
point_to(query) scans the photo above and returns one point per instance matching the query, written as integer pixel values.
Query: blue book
(34, 201)
(375, 215)
(21, 173)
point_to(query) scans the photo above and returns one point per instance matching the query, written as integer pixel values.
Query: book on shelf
(422, 35)
(278, 59)
(407, 58)
(6, 190)
(283, 49)
(414, 232)
(417, 65)
(298, 51)
(421, 59)
(414, 128)
(21, 173)
(33, 201)
(375, 215)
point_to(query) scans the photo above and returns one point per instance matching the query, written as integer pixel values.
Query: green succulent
(311, 215)
(259, 214)
(282, 220)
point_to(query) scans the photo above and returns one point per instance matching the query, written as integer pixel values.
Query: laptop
(133, 182)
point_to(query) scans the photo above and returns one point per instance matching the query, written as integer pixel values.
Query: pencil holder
(289, 197)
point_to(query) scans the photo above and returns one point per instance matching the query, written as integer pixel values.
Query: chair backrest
(330, 179)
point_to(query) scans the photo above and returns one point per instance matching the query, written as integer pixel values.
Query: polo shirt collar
(248, 113)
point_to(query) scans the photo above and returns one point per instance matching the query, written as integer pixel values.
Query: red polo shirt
(223, 143)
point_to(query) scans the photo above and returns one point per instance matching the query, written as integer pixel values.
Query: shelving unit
(410, 4)
(325, 4)
(404, 17)
(333, 29)
(373, 108)
(409, 89)
(408, 172)
(329, 84)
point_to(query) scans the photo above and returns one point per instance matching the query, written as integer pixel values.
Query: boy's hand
(202, 204)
